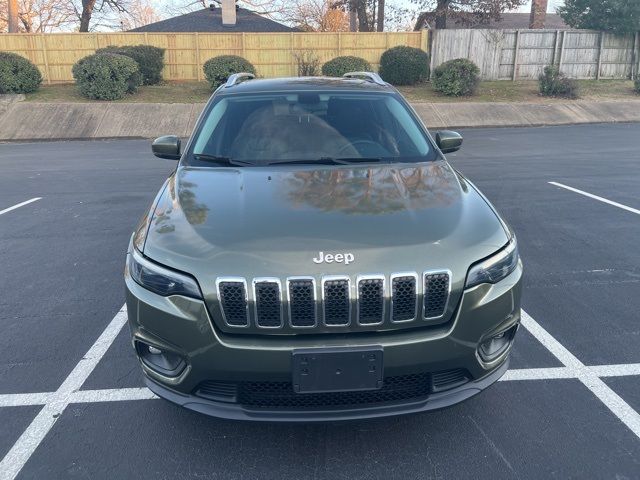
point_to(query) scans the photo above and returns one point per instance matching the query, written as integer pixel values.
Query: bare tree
(38, 16)
(381, 5)
(317, 16)
(139, 13)
(12, 16)
(466, 12)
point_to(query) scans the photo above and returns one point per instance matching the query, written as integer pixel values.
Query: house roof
(509, 21)
(210, 20)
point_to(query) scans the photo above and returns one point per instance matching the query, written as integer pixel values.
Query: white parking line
(143, 393)
(7, 210)
(22, 450)
(606, 395)
(68, 393)
(595, 197)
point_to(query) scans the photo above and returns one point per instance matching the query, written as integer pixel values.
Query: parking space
(552, 416)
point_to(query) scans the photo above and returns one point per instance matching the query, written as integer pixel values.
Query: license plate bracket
(320, 370)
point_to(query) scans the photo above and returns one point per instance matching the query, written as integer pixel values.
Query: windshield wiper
(329, 161)
(221, 160)
(348, 160)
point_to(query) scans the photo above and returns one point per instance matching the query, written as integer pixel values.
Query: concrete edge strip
(621, 409)
(22, 450)
(596, 197)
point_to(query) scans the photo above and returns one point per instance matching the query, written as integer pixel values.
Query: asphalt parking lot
(71, 398)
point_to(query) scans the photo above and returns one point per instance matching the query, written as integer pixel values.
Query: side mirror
(448, 141)
(166, 147)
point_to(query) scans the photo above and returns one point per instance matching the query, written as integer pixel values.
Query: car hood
(257, 222)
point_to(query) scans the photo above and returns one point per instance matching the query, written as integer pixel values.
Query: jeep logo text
(345, 258)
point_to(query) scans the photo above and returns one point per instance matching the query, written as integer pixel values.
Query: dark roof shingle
(207, 20)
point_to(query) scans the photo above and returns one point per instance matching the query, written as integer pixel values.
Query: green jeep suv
(314, 257)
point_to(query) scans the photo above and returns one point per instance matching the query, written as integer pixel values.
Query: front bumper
(435, 401)
(183, 327)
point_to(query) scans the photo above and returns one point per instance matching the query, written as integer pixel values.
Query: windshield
(269, 128)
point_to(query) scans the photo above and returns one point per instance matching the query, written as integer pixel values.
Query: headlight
(160, 280)
(494, 268)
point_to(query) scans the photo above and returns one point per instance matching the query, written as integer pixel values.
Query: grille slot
(449, 379)
(233, 301)
(336, 301)
(281, 395)
(370, 300)
(268, 302)
(302, 302)
(218, 391)
(404, 298)
(436, 294)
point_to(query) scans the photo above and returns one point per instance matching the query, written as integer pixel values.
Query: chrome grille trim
(424, 295)
(415, 277)
(330, 278)
(361, 278)
(243, 281)
(315, 300)
(255, 283)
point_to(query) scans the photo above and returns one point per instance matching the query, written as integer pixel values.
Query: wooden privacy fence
(271, 53)
(523, 54)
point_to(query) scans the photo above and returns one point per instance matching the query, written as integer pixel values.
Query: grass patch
(183, 92)
(523, 91)
(502, 91)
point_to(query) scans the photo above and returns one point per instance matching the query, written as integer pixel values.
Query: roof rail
(368, 76)
(238, 78)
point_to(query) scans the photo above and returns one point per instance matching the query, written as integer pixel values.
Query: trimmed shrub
(554, 83)
(150, 60)
(456, 78)
(637, 85)
(404, 65)
(17, 74)
(107, 76)
(218, 69)
(341, 65)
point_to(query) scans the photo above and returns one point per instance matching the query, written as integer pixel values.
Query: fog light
(166, 363)
(495, 346)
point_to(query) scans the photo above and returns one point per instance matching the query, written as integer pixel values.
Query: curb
(26, 121)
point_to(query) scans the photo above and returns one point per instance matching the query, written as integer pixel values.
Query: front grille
(280, 395)
(370, 301)
(233, 301)
(436, 294)
(333, 303)
(337, 302)
(404, 298)
(268, 303)
(302, 302)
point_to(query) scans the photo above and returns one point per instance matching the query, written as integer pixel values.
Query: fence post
(198, 59)
(433, 41)
(515, 56)
(600, 55)
(555, 47)
(564, 37)
(339, 44)
(634, 56)
(45, 56)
